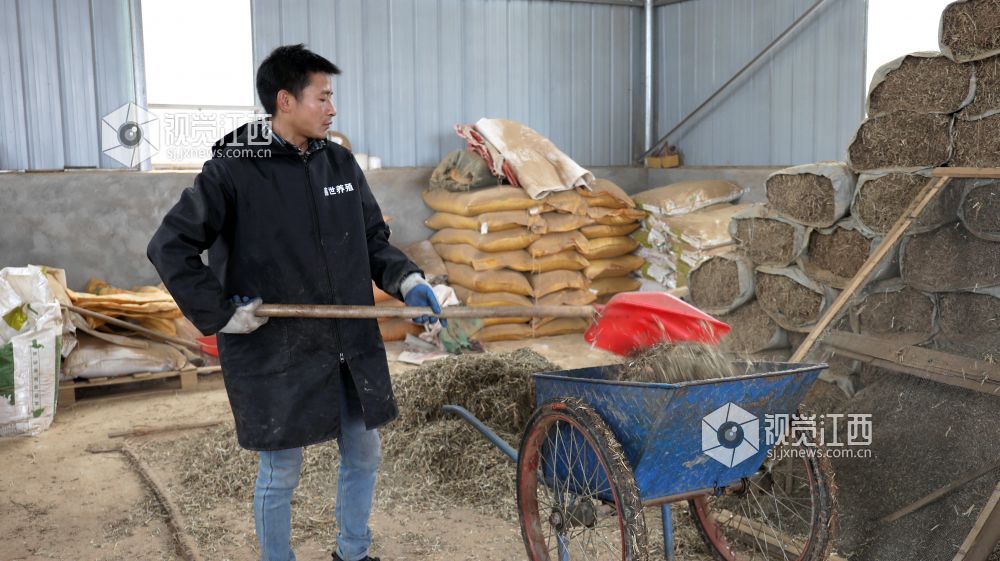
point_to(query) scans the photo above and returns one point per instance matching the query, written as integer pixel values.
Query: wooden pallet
(187, 376)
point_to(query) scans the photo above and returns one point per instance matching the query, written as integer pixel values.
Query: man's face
(313, 111)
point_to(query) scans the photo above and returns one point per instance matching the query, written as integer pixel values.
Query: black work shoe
(366, 558)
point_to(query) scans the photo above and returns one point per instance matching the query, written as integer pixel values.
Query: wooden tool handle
(447, 312)
(129, 325)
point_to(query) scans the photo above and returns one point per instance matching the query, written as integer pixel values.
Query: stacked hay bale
(821, 221)
(946, 296)
(687, 224)
(503, 248)
(786, 259)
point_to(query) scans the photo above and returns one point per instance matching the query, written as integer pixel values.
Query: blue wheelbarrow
(597, 451)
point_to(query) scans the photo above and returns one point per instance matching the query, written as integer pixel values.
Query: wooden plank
(917, 357)
(974, 173)
(985, 533)
(937, 494)
(863, 276)
(136, 328)
(189, 380)
(992, 389)
(753, 532)
(139, 377)
(67, 396)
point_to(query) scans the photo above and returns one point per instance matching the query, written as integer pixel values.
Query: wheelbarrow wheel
(576, 494)
(785, 511)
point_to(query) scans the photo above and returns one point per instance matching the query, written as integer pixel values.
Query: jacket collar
(256, 139)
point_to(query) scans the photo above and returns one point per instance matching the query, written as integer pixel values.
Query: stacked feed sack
(422, 253)
(687, 223)
(503, 248)
(604, 241)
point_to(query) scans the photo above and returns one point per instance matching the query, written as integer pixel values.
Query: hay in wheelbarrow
(672, 363)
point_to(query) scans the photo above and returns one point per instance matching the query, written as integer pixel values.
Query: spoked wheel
(576, 494)
(783, 512)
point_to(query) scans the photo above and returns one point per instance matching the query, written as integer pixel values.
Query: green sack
(462, 170)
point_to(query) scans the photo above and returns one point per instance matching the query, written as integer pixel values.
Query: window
(199, 74)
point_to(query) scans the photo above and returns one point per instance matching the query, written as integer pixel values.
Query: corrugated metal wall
(413, 68)
(58, 76)
(801, 106)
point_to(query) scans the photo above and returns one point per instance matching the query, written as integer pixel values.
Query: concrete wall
(97, 223)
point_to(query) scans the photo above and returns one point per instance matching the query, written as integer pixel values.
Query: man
(288, 218)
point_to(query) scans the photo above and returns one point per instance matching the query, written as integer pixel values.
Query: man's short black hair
(288, 68)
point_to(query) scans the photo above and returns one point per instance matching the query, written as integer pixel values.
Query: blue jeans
(278, 476)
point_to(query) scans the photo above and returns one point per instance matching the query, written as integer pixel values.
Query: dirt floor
(61, 502)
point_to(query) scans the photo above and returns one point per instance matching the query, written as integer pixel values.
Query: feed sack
(977, 143)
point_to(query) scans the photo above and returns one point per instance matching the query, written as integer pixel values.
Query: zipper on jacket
(326, 265)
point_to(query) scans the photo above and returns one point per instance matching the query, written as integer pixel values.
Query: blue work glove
(422, 295)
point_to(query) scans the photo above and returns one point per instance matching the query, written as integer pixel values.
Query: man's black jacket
(291, 231)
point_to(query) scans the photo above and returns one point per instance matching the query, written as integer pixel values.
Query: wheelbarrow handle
(500, 443)
(447, 312)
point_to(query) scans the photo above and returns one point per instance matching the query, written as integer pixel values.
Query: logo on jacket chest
(338, 189)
